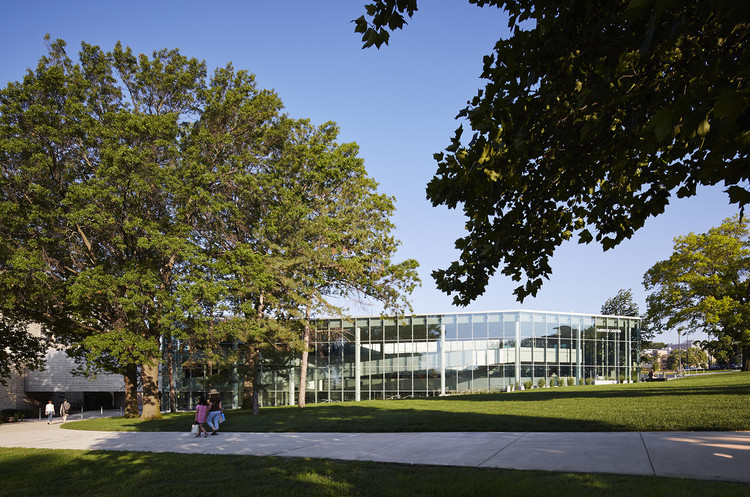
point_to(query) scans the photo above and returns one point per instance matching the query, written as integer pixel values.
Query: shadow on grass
(594, 392)
(736, 384)
(360, 419)
(113, 474)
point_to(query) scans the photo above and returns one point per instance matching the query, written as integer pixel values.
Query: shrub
(7, 414)
(571, 381)
(541, 383)
(528, 384)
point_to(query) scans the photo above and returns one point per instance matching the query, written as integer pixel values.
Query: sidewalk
(723, 456)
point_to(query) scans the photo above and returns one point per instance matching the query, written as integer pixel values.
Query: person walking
(49, 410)
(64, 410)
(201, 414)
(215, 410)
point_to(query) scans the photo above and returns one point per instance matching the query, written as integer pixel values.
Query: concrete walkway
(723, 456)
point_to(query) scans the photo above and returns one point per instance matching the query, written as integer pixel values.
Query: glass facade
(427, 355)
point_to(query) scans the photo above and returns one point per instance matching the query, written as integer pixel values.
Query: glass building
(425, 355)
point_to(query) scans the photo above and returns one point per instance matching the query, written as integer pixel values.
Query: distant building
(663, 354)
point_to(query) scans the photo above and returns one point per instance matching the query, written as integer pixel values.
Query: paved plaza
(720, 456)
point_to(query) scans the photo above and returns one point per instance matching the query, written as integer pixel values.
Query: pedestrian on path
(49, 410)
(215, 410)
(64, 410)
(201, 413)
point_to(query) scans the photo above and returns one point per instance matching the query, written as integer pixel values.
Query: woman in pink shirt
(201, 412)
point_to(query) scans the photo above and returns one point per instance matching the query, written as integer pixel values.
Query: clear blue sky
(398, 103)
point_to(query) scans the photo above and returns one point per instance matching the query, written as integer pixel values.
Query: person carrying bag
(64, 410)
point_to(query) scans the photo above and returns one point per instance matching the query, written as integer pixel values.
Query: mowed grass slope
(716, 402)
(62, 473)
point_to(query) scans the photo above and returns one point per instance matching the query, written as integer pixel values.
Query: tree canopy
(621, 304)
(142, 202)
(705, 286)
(19, 347)
(693, 357)
(593, 116)
(723, 350)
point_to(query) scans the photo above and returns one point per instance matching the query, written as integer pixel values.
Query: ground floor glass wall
(426, 355)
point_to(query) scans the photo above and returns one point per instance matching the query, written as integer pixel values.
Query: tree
(142, 204)
(95, 208)
(303, 227)
(592, 118)
(342, 237)
(723, 349)
(621, 304)
(19, 348)
(234, 148)
(705, 286)
(693, 357)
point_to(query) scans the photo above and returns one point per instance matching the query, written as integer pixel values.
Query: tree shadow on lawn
(115, 474)
(350, 418)
(120, 473)
(593, 392)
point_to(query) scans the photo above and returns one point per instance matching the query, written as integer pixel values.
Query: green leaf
(703, 128)
(730, 105)
(738, 195)
(662, 124)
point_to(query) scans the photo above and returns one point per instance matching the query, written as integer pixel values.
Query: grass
(717, 402)
(99, 473)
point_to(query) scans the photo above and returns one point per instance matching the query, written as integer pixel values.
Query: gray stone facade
(57, 381)
(13, 395)
(58, 377)
(32, 389)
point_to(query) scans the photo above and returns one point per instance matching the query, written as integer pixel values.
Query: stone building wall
(13, 396)
(58, 377)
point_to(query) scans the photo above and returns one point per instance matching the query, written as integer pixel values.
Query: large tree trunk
(247, 382)
(150, 382)
(251, 384)
(256, 382)
(746, 358)
(170, 375)
(303, 364)
(253, 354)
(131, 391)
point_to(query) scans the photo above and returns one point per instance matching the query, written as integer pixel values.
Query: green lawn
(718, 402)
(36, 472)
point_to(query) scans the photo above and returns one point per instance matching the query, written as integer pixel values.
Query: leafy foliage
(593, 116)
(621, 304)
(705, 286)
(693, 357)
(723, 349)
(94, 202)
(19, 347)
(142, 202)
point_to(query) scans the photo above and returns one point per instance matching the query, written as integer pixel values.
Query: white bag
(194, 429)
